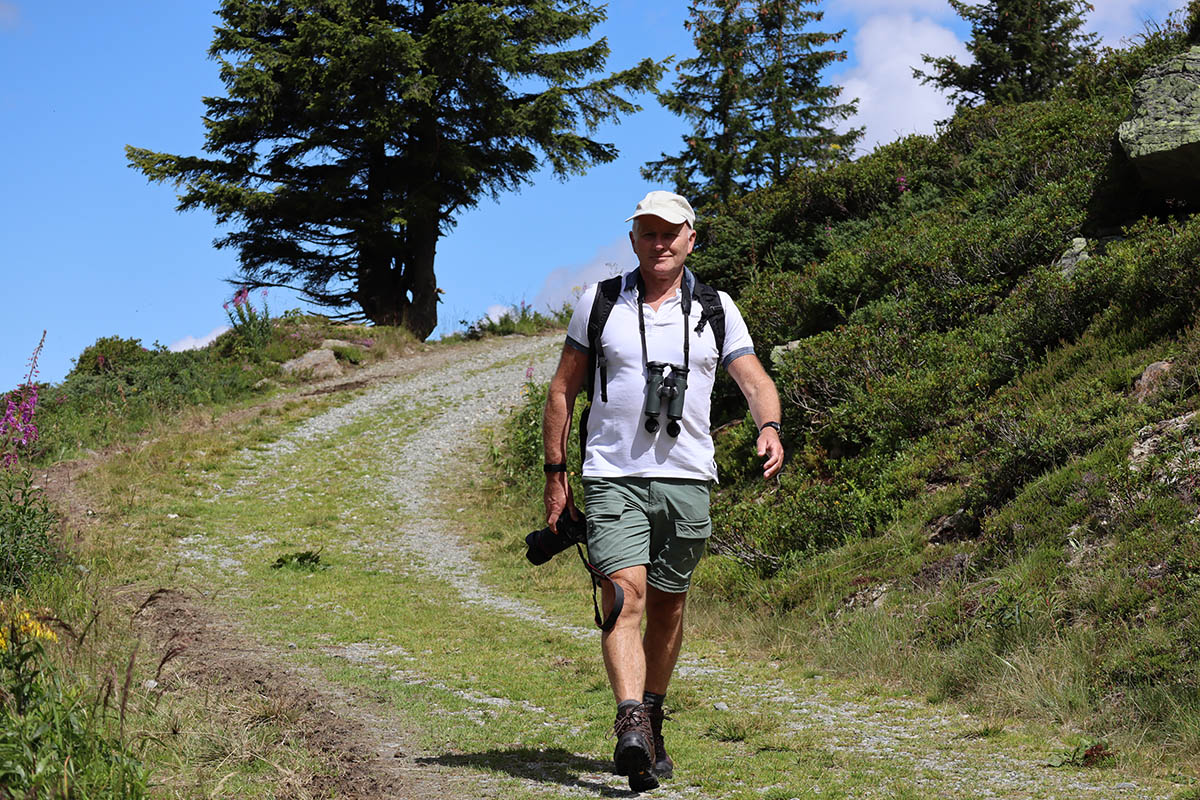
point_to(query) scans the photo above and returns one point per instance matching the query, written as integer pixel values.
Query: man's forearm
(556, 425)
(763, 400)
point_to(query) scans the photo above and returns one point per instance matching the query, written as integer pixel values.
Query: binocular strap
(608, 622)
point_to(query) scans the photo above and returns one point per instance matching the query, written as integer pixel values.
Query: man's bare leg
(664, 636)
(624, 657)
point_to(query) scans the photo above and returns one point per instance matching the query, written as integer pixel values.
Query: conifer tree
(353, 131)
(1022, 50)
(754, 95)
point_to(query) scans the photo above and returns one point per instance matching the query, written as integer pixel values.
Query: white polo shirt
(618, 445)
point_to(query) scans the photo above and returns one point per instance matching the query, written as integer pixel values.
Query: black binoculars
(666, 388)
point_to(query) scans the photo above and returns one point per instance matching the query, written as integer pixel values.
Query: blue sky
(91, 249)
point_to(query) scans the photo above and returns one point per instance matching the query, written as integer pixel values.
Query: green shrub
(26, 522)
(109, 354)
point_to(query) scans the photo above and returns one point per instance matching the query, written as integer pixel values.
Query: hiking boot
(664, 767)
(634, 753)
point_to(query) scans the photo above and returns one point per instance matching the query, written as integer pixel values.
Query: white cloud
(10, 15)
(891, 102)
(192, 343)
(495, 312)
(564, 284)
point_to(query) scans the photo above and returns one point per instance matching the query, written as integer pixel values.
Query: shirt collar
(689, 280)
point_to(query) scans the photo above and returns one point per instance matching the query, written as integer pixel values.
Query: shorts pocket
(603, 509)
(693, 529)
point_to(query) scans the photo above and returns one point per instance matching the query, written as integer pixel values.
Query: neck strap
(685, 304)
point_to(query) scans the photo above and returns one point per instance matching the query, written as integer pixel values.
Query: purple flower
(529, 373)
(17, 429)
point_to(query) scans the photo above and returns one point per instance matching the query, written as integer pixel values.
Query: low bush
(521, 319)
(55, 739)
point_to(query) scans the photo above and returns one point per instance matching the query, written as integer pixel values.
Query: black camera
(545, 544)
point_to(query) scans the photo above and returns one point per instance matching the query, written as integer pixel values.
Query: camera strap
(608, 622)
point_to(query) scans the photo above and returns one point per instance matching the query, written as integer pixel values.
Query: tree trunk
(401, 289)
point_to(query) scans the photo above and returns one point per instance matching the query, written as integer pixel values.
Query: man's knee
(632, 582)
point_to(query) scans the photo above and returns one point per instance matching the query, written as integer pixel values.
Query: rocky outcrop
(317, 363)
(1150, 380)
(1073, 256)
(1162, 137)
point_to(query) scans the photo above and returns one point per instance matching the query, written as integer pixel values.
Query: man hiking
(647, 345)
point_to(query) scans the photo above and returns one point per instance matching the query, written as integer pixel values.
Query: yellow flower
(13, 616)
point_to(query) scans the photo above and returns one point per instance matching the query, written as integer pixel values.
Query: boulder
(1073, 256)
(1150, 380)
(1162, 137)
(317, 363)
(779, 351)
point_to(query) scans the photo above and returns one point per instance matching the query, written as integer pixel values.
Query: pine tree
(1022, 50)
(353, 131)
(754, 96)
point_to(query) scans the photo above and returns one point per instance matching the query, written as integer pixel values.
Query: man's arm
(747, 371)
(556, 429)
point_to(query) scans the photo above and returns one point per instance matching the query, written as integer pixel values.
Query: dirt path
(417, 672)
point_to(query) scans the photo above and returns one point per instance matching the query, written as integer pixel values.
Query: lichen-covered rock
(318, 363)
(1073, 256)
(1163, 135)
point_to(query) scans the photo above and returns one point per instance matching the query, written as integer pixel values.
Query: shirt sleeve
(737, 336)
(577, 327)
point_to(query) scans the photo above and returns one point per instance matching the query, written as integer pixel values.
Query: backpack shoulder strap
(607, 293)
(712, 313)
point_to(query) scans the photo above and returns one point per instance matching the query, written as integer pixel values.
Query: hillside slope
(961, 419)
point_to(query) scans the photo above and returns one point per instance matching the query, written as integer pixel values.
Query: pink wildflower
(529, 373)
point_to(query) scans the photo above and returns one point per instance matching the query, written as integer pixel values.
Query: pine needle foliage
(754, 96)
(1022, 49)
(352, 133)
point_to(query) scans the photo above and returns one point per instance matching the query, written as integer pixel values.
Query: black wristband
(774, 425)
(548, 467)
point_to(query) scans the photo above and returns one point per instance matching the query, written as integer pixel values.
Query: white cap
(666, 205)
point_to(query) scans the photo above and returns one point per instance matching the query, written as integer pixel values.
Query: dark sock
(652, 700)
(624, 704)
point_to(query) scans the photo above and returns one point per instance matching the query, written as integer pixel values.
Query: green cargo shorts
(659, 522)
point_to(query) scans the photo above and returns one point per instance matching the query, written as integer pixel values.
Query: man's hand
(558, 498)
(770, 446)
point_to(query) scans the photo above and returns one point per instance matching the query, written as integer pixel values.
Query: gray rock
(1073, 256)
(329, 344)
(317, 363)
(721, 706)
(1150, 380)
(778, 352)
(1162, 137)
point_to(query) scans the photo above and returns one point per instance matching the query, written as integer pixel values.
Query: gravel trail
(465, 394)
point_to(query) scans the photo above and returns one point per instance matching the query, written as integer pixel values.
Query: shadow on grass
(555, 765)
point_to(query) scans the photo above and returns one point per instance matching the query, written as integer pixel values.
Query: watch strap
(548, 468)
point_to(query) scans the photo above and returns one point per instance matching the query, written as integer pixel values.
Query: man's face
(661, 247)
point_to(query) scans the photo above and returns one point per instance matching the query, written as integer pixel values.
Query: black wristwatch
(548, 468)
(774, 425)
